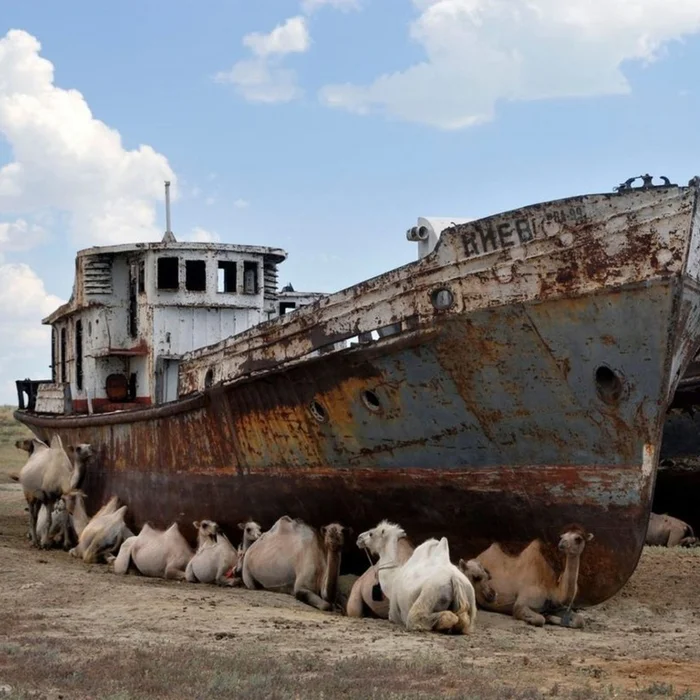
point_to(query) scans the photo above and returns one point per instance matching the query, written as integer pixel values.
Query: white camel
(156, 553)
(216, 558)
(427, 592)
(103, 535)
(47, 474)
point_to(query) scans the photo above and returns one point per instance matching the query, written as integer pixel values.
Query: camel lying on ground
(216, 558)
(667, 531)
(426, 592)
(528, 586)
(47, 475)
(155, 553)
(293, 557)
(102, 536)
(367, 595)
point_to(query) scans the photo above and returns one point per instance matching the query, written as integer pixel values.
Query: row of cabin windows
(196, 276)
(59, 351)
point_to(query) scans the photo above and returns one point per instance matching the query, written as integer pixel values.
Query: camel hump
(56, 442)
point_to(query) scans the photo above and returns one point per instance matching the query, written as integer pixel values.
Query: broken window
(142, 276)
(64, 348)
(54, 343)
(168, 273)
(79, 354)
(226, 281)
(250, 277)
(287, 306)
(196, 275)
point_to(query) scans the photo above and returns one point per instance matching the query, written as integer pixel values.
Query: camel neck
(80, 517)
(388, 565)
(568, 583)
(329, 586)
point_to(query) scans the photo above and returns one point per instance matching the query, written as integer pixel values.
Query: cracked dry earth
(59, 615)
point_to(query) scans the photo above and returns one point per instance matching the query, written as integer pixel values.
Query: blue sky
(275, 123)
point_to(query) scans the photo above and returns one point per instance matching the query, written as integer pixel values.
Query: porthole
(208, 378)
(608, 385)
(318, 412)
(442, 299)
(371, 401)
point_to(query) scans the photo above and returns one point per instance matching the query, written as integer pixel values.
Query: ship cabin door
(170, 367)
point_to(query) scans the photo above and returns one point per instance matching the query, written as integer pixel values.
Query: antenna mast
(167, 208)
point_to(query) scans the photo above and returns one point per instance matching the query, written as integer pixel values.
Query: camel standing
(155, 553)
(295, 558)
(427, 592)
(216, 558)
(667, 531)
(45, 477)
(527, 586)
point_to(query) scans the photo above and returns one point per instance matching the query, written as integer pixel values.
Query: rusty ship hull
(519, 382)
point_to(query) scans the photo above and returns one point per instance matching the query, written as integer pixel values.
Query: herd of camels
(416, 587)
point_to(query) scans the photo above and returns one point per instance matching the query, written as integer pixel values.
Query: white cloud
(66, 160)
(210, 200)
(310, 6)
(290, 37)
(262, 78)
(200, 235)
(480, 52)
(241, 203)
(258, 81)
(19, 235)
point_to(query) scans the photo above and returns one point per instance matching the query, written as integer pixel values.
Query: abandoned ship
(513, 379)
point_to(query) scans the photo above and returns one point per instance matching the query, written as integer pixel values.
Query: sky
(324, 127)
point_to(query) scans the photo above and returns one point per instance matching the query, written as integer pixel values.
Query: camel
(45, 477)
(293, 557)
(667, 531)
(216, 558)
(155, 553)
(426, 592)
(479, 577)
(366, 594)
(103, 534)
(527, 585)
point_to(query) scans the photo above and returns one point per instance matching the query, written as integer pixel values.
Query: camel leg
(173, 573)
(306, 595)
(222, 579)
(34, 506)
(675, 537)
(423, 615)
(49, 503)
(121, 563)
(354, 606)
(572, 620)
(522, 612)
(189, 573)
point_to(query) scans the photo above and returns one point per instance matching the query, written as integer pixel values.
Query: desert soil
(71, 630)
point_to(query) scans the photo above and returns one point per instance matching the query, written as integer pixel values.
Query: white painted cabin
(136, 309)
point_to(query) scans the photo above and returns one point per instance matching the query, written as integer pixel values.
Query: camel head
(378, 539)
(334, 536)
(573, 540)
(82, 452)
(206, 530)
(251, 531)
(26, 445)
(479, 577)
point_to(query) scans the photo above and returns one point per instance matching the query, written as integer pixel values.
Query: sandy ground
(60, 615)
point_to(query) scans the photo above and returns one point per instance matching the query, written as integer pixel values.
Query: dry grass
(46, 668)
(11, 459)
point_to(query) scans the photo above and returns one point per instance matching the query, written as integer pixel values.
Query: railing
(28, 388)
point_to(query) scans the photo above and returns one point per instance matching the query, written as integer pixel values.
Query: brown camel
(527, 585)
(293, 557)
(667, 531)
